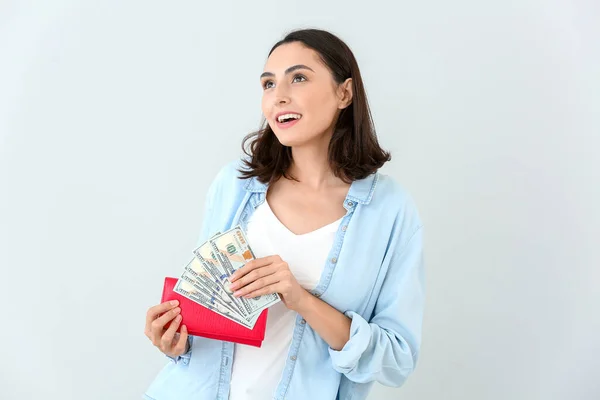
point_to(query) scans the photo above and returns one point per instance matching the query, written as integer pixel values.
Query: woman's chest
(304, 212)
(341, 261)
(306, 254)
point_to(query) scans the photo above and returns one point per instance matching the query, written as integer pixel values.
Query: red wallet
(200, 321)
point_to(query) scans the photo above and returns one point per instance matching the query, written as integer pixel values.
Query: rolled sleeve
(346, 359)
(184, 358)
(386, 348)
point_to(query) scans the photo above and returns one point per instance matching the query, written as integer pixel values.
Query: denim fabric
(374, 275)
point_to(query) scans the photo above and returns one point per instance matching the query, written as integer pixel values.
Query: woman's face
(301, 100)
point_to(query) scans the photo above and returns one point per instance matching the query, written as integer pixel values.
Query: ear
(345, 94)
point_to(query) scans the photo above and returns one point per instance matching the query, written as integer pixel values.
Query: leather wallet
(200, 321)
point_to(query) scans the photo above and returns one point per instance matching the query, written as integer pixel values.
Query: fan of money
(205, 282)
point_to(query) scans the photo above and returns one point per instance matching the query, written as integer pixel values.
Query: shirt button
(334, 260)
(303, 321)
(293, 358)
(317, 295)
(344, 228)
(350, 203)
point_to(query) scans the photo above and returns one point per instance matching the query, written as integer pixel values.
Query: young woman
(339, 241)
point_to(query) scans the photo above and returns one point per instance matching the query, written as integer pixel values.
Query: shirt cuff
(184, 358)
(346, 359)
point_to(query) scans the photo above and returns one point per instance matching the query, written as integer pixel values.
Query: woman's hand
(272, 275)
(268, 275)
(169, 341)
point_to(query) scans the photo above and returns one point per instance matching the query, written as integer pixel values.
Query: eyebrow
(288, 71)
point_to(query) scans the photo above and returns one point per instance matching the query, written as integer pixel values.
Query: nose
(281, 96)
(282, 100)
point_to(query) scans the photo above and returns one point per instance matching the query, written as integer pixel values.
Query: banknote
(208, 258)
(191, 292)
(233, 251)
(196, 268)
(208, 292)
(188, 290)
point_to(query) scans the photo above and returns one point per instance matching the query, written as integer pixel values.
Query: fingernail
(178, 318)
(174, 302)
(236, 294)
(177, 310)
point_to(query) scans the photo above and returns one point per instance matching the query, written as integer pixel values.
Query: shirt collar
(361, 191)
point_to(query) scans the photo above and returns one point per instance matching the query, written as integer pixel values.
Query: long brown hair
(354, 152)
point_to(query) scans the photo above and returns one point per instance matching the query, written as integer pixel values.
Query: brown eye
(299, 76)
(266, 85)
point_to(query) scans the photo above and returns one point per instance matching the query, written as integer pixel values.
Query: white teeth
(288, 116)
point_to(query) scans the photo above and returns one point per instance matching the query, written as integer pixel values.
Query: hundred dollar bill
(253, 319)
(233, 252)
(208, 258)
(207, 292)
(188, 290)
(196, 268)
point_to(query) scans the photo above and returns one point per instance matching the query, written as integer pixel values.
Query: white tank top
(257, 371)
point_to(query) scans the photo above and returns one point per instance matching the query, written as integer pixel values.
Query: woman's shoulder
(389, 189)
(391, 195)
(229, 170)
(389, 186)
(228, 177)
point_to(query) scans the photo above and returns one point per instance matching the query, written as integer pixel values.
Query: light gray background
(116, 115)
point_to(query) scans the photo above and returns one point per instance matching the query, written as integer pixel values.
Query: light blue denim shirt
(374, 275)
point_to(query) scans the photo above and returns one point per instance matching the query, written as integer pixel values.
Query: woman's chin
(289, 140)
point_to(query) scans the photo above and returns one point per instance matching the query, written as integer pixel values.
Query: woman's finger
(158, 324)
(166, 340)
(257, 284)
(252, 265)
(253, 276)
(157, 310)
(179, 348)
(264, 290)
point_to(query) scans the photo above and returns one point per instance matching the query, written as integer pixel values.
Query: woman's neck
(310, 166)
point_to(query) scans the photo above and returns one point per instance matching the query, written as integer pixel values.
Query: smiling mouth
(287, 123)
(287, 118)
